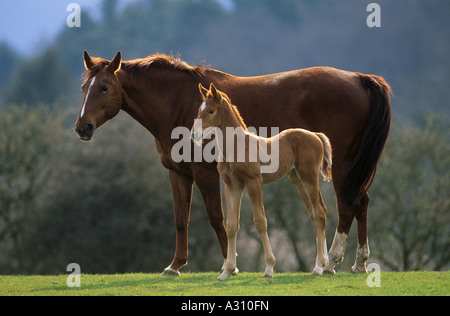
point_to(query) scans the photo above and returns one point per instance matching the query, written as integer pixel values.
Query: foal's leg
(308, 187)
(254, 190)
(233, 196)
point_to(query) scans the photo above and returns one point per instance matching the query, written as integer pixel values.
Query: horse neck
(231, 118)
(154, 106)
(232, 129)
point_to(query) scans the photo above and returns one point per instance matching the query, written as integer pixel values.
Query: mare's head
(102, 94)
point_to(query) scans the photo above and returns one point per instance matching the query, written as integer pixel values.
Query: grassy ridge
(245, 284)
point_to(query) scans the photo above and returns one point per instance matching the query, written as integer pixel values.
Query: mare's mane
(157, 61)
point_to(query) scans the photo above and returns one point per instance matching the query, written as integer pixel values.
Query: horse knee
(181, 223)
(232, 229)
(319, 217)
(261, 225)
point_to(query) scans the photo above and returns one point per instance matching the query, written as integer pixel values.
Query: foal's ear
(88, 63)
(214, 92)
(203, 91)
(116, 63)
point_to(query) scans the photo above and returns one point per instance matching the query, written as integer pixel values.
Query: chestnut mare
(300, 154)
(161, 93)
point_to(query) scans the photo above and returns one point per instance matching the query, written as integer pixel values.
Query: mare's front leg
(233, 195)
(208, 182)
(182, 196)
(254, 190)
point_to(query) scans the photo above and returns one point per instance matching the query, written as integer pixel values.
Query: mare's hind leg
(362, 252)
(308, 187)
(347, 213)
(254, 190)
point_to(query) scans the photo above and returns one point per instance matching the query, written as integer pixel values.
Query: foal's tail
(327, 157)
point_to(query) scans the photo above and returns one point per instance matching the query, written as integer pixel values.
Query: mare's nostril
(89, 129)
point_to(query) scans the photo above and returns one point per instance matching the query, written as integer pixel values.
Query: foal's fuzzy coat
(301, 155)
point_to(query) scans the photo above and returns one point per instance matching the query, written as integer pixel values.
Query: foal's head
(210, 112)
(102, 94)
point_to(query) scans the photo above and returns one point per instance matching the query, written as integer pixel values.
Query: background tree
(41, 79)
(410, 212)
(25, 155)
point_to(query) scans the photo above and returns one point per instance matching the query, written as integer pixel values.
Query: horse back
(319, 99)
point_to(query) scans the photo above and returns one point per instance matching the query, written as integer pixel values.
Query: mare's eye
(104, 89)
(212, 112)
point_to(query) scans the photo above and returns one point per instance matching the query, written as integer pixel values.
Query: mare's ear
(214, 92)
(116, 63)
(88, 63)
(203, 91)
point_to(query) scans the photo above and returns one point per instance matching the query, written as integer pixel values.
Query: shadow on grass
(183, 284)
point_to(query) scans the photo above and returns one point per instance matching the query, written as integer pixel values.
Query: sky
(28, 25)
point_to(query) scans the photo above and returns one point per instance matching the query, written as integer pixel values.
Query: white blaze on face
(87, 95)
(203, 107)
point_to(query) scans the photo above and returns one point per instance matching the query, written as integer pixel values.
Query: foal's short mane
(157, 61)
(233, 107)
(238, 115)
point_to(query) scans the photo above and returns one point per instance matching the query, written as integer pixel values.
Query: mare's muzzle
(85, 132)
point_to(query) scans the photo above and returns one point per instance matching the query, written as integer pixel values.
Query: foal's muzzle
(197, 137)
(85, 132)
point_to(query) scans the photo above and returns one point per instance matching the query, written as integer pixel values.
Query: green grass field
(244, 284)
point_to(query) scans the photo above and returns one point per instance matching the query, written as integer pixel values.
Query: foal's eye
(212, 112)
(104, 89)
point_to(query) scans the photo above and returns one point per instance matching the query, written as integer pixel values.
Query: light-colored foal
(299, 154)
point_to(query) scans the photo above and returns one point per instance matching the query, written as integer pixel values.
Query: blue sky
(28, 24)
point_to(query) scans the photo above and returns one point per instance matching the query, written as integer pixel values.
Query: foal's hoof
(317, 271)
(235, 272)
(269, 272)
(170, 272)
(223, 277)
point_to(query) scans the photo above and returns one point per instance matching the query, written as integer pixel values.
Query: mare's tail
(364, 161)
(327, 157)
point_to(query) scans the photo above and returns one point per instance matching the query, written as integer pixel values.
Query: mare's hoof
(330, 271)
(360, 269)
(170, 272)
